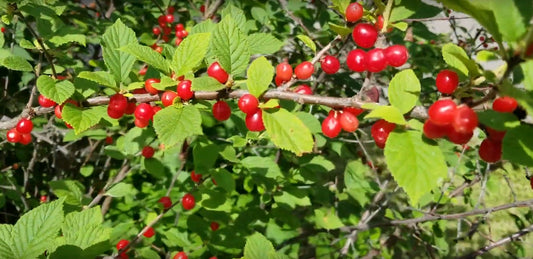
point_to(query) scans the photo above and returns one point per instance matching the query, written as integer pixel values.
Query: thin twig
(212, 9)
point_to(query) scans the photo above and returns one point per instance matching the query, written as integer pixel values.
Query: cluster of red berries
(21, 133)
(165, 27)
(341, 120)
(284, 72)
(254, 115)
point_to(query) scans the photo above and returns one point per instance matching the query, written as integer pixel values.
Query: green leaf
(406, 8)
(341, 5)
(230, 46)
(404, 90)
(263, 43)
(357, 186)
(118, 62)
(82, 119)
(60, 40)
(224, 179)
(236, 14)
(58, 92)
(164, 83)
(288, 132)
(485, 55)
(147, 55)
(498, 120)
(205, 156)
(264, 166)
(415, 163)
(257, 246)
(5, 241)
(340, 29)
(310, 122)
(518, 145)
(190, 53)
(307, 41)
(205, 26)
(71, 190)
(527, 70)
(84, 229)
(512, 25)
(327, 219)
(456, 58)
(16, 63)
(173, 125)
(402, 26)
(121, 190)
(100, 77)
(35, 231)
(206, 83)
(293, 197)
(260, 74)
(388, 113)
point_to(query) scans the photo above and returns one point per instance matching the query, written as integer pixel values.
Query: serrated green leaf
(205, 26)
(5, 241)
(236, 14)
(404, 90)
(57, 91)
(82, 119)
(84, 229)
(148, 56)
(230, 46)
(357, 186)
(60, 40)
(498, 120)
(121, 190)
(416, 164)
(327, 219)
(190, 53)
(16, 63)
(518, 145)
(307, 41)
(174, 125)
(165, 82)
(206, 83)
(71, 190)
(257, 246)
(288, 132)
(263, 43)
(118, 62)
(340, 29)
(35, 231)
(100, 77)
(260, 74)
(456, 57)
(388, 113)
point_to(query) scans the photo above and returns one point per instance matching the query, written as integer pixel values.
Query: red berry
(109, 140)
(25, 139)
(254, 121)
(214, 226)
(168, 98)
(217, 72)
(184, 90)
(45, 102)
(433, 131)
(178, 41)
(180, 255)
(459, 138)
(354, 12)
(221, 110)
(465, 119)
(304, 70)
(396, 55)
(180, 34)
(490, 151)
(130, 109)
(196, 177)
(68, 125)
(148, 85)
(156, 30)
(330, 64)
(140, 91)
(122, 243)
(149, 232)
(348, 121)
(3, 29)
(117, 106)
(248, 104)
(148, 152)
(13, 135)
(447, 81)
(179, 27)
(165, 200)
(379, 24)
(188, 201)
(161, 20)
(375, 60)
(504, 104)
(364, 35)
(278, 81)
(442, 112)
(141, 123)
(495, 135)
(24, 126)
(356, 60)
(169, 18)
(184, 33)
(123, 255)
(144, 112)
(156, 109)
(331, 126)
(170, 9)
(43, 198)
(284, 71)
(380, 132)
(303, 89)
(58, 111)
(353, 110)
(202, 8)
(166, 31)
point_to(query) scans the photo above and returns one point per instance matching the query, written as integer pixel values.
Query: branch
(212, 9)
(295, 18)
(454, 216)
(436, 19)
(503, 241)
